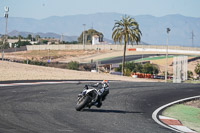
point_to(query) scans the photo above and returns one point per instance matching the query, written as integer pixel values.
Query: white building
(95, 40)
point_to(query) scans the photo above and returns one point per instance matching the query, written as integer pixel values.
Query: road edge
(156, 113)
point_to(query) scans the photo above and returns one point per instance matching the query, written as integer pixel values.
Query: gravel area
(194, 103)
(16, 71)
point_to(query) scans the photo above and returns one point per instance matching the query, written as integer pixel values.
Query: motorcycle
(92, 95)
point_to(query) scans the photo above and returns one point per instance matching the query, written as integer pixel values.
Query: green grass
(146, 59)
(159, 57)
(193, 81)
(108, 58)
(154, 58)
(189, 116)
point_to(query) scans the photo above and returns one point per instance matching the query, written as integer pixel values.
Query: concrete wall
(104, 47)
(23, 48)
(73, 47)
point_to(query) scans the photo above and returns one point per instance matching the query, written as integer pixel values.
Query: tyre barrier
(132, 49)
(142, 75)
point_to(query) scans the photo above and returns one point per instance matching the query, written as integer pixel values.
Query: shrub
(5, 46)
(136, 67)
(150, 69)
(22, 43)
(190, 74)
(39, 63)
(197, 69)
(127, 72)
(74, 65)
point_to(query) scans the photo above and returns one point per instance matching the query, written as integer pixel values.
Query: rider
(103, 91)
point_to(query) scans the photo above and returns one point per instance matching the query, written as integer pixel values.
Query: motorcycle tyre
(83, 103)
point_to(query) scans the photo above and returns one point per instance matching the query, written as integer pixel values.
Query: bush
(74, 65)
(197, 69)
(44, 41)
(5, 46)
(39, 63)
(190, 74)
(127, 72)
(22, 43)
(150, 69)
(136, 67)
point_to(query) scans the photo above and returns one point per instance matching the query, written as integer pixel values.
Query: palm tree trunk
(124, 58)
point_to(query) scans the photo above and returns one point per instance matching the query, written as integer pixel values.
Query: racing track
(50, 108)
(128, 58)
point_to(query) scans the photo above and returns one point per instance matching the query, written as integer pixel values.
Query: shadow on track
(111, 111)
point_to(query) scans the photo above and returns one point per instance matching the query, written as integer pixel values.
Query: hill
(43, 35)
(153, 28)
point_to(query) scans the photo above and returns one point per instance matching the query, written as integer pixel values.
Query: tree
(20, 37)
(29, 37)
(150, 69)
(22, 43)
(190, 74)
(4, 45)
(130, 67)
(126, 30)
(45, 41)
(88, 36)
(37, 37)
(197, 69)
(74, 65)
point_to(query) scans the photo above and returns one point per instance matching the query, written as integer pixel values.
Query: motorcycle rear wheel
(82, 102)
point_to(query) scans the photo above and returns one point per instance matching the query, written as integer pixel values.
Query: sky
(40, 9)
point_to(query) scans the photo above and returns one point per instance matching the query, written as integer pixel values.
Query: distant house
(13, 41)
(34, 42)
(49, 41)
(95, 40)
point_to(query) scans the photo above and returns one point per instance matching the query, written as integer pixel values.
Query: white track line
(46, 82)
(155, 114)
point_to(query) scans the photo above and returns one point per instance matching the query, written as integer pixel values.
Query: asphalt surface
(128, 58)
(50, 108)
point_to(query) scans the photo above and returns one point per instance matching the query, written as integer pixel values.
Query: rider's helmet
(105, 83)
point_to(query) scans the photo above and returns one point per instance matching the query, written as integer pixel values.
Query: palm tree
(126, 30)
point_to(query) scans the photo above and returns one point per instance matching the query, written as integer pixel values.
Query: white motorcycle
(92, 95)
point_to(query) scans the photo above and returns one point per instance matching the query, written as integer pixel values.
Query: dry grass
(17, 71)
(88, 55)
(161, 64)
(54, 55)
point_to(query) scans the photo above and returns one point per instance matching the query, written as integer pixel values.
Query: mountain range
(153, 28)
(43, 35)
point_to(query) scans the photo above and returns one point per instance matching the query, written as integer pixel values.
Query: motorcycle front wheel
(82, 102)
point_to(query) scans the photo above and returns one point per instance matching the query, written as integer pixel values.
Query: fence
(23, 48)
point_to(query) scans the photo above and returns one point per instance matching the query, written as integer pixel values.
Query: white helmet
(105, 83)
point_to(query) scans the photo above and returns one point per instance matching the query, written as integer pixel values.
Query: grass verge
(158, 58)
(188, 115)
(193, 81)
(154, 58)
(108, 58)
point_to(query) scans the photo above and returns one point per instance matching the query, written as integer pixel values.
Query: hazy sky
(45, 8)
